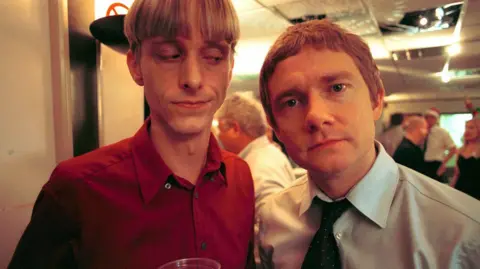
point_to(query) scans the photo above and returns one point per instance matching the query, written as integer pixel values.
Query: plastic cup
(192, 263)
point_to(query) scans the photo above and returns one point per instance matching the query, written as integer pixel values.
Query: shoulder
(267, 158)
(236, 168)
(233, 161)
(440, 200)
(289, 199)
(89, 164)
(437, 130)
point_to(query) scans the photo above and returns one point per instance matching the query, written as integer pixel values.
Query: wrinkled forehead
(214, 19)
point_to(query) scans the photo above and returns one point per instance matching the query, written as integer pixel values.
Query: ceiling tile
(260, 23)
(242, 6)
(276, 2)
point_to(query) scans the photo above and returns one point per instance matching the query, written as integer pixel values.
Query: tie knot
(332, 211)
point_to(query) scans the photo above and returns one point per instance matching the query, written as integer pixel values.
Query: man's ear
(236, 127)
(378, 106)
(134, 67)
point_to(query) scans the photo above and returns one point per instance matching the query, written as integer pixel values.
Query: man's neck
(243, 142)
(338, 185)
(414, 139)
(184, 155)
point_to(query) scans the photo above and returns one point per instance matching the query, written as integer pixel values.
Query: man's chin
(189, 129)
(327, 167)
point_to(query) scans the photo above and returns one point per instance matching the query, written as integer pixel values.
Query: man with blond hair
(168, 192)
(356, 207)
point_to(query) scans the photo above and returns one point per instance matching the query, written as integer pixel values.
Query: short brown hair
(321, 34)
(168, 18)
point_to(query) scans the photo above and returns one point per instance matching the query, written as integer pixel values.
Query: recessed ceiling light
(423, 21)
(395, 56)
(446, 78)
(454, 49)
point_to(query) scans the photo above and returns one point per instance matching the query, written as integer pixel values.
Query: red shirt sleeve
(48, 240)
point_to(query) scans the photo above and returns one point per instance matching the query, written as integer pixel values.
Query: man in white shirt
(243, 131)
(438, 143)
(356, 207)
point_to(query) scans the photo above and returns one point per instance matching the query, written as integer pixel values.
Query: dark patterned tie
(323, 250)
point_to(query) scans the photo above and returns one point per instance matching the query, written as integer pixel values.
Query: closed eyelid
(166, 48)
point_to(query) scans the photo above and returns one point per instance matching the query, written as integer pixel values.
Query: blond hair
(321, 34)
(217, 19)
(476, 123)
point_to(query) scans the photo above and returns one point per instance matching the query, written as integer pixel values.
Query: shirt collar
(256, 143)
(152, 172)
(373, 194)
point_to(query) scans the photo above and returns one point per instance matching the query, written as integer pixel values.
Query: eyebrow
(335, 76)
(165, 42)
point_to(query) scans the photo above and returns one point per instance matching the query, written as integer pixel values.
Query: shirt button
(338, 236)
(196, 195)
(168, 186)
(204, 246)
(212, 178)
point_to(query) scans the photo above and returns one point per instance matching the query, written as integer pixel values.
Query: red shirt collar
(152, 172)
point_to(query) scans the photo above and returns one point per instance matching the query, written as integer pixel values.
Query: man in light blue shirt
(356, 207)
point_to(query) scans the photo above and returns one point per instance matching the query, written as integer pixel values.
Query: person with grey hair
(409, 153)
(243, 131)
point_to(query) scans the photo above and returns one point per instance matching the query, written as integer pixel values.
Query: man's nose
(191, 76)
(318, 113)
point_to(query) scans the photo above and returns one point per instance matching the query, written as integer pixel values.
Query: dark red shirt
(121, 207)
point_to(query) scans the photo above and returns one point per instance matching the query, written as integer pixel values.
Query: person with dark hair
(393, 135)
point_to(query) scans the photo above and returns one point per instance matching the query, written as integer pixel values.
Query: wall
(446, 102)
(27, 149)
(121, 98)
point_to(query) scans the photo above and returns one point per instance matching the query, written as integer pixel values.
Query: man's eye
(291, 102)
(338, 87)
(170, 56)
(214, 59)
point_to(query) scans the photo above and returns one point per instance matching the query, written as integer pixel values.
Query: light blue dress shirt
(399, 219)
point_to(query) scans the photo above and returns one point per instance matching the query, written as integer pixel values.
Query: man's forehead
(324, 60)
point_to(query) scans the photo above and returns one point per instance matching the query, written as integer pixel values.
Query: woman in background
(467, 171)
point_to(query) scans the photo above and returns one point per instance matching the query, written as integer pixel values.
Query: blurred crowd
(420, 143)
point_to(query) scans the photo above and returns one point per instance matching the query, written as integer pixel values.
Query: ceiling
(261, 22)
